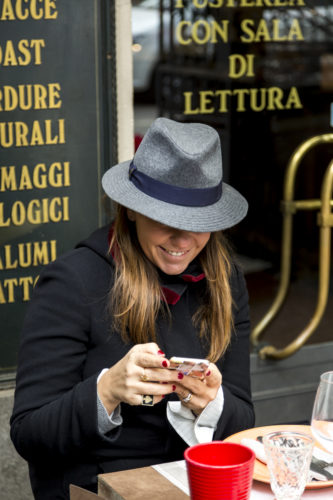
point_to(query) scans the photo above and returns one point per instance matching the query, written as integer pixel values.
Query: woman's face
(170, 249)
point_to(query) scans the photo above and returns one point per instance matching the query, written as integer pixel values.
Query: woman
(94, 390)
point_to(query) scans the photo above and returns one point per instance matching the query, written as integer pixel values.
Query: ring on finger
(147, 400)
(144, 377)
(188, 398)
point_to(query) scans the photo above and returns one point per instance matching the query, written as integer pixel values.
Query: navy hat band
(186, 197)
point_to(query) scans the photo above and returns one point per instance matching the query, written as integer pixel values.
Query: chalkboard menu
(54, 126)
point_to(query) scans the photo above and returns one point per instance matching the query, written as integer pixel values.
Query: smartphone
(189, 366)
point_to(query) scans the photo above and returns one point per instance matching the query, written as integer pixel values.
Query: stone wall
(14, 478)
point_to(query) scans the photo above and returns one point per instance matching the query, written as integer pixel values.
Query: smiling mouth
(175, 254)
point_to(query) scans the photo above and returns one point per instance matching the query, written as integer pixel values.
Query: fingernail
(163, 395)
(208, 373)
(164, 363)
(173, 387)
(160, 353)
(180, 376)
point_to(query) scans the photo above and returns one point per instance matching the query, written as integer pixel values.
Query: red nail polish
(163, 395)
(180, 375)
(160, 353)
(173, 387)
(208, 373)
(164, 363)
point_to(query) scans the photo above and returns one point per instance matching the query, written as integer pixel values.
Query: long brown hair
(135, 298)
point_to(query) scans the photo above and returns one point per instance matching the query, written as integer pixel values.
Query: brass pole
(289, 207)
(325, 220)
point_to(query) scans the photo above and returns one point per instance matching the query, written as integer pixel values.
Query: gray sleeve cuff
(105, 421)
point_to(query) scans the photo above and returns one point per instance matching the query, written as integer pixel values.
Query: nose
(180, 237)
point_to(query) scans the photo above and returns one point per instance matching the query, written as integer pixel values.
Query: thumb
(213, 376)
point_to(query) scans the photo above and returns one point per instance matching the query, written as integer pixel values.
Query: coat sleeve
(55, 408)
(238, 413)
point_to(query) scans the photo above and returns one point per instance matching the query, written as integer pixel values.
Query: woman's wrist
(103, 389)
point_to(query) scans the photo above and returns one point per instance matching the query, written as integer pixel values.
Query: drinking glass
(288, 460)
(322, 414)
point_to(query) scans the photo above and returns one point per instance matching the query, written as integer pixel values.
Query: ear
(131, 214)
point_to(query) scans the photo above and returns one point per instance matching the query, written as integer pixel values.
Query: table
(167, 482)
(261, 491)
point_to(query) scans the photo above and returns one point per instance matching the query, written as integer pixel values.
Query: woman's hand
(196, 393)
(135, 376)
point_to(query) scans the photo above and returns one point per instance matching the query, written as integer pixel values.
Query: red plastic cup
(219, 471)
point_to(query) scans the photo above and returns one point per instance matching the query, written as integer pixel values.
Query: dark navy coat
(66, 342)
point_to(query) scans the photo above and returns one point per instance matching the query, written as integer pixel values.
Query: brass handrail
(289, 207)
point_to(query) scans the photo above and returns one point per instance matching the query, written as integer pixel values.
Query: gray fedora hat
(175, 178)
